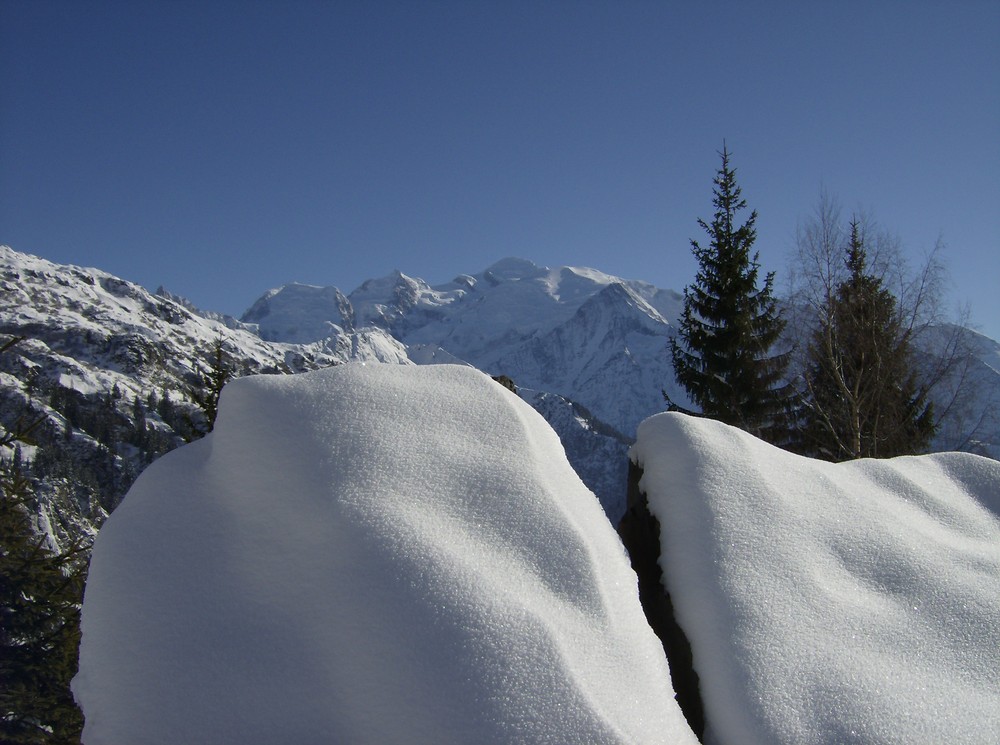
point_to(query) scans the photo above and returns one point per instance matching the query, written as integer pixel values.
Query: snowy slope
(848, 603)
(597, 452)
(109, 326)
(981, 407)
(97, 350)
(300, 314)
(368, 554)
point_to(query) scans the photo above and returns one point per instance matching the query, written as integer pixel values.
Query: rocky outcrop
(640, 532)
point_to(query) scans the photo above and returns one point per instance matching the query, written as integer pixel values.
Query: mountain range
(106, 366)
(585, 335)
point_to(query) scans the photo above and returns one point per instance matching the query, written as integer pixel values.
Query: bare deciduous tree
(943, 347)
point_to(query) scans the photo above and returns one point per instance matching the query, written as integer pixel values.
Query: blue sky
(223, 148)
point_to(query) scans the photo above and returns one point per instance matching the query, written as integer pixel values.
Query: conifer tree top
(729, 324)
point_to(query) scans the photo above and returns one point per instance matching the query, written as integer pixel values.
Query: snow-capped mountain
(109, 366)
(587, 336)
(303, 314)
(105, 366)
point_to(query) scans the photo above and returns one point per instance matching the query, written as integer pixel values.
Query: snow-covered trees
(722, 351)
(40, 595)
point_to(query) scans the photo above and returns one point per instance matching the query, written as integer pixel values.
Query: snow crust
(368, 554)
(848, 603)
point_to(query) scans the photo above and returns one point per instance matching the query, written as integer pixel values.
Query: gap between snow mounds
(641, 534)
(829, 603)
(381, 554)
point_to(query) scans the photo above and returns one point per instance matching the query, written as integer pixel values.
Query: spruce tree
(721, 353)
(862, 396)
(209, 387)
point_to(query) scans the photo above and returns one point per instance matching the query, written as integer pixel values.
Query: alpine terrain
(108, 368)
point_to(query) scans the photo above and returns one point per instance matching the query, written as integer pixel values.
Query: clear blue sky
(223, 148)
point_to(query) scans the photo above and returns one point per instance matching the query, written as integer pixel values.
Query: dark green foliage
(205, 393)
(40, 596)
(729, 324)
(862, 397)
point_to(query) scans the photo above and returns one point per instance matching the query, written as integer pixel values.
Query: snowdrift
(849, 603)
(368, 554)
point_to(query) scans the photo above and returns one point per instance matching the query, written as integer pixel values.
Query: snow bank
(850, 603)
(368, 554)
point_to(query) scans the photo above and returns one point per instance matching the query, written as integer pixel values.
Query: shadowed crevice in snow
(640, 532)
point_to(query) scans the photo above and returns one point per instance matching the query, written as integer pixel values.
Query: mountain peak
(513, 269)
(300, 313)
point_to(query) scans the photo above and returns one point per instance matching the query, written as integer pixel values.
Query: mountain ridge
(504, 320)
(588, 349)
(107, 366)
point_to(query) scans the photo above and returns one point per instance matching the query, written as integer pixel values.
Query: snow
(100, 331)
(848, 603)
(386, 300)
(563, 330)
(298, 313)
(368, 554)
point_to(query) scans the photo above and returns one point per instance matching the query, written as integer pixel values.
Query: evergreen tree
(210, 384)
(862, 397)
(40, 596)
(729, 324)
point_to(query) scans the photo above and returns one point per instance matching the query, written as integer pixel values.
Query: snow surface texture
(368, 554)
(848, 603)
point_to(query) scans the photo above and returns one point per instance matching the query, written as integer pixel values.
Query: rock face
(640, 532)
(368, 554)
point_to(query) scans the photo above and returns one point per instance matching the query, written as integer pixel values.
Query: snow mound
(848, 603)
(368, 554)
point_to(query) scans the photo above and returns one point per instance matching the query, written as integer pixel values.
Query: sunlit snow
(401, 554)
(368, 554)
(848, 603)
